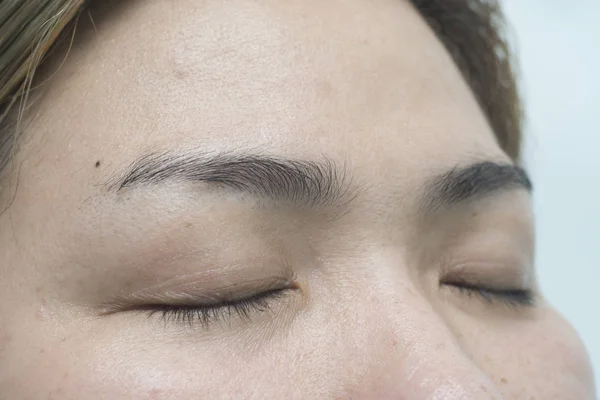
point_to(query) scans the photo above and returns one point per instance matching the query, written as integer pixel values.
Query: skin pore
(270, 199)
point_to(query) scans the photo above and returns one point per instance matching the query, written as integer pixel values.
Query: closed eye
(205, 315)
(509, 296)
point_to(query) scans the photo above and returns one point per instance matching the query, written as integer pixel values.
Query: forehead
(291, 78)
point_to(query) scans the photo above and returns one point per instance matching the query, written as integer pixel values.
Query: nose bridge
(417, 355)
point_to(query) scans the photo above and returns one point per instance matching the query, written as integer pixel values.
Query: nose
(413, 354)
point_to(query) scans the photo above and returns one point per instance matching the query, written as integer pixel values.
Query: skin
(365, 85)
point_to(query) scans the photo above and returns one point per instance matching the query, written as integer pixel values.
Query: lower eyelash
(206, 315)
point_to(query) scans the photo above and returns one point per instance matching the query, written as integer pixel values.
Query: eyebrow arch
(473, 182)
(312, 183)
(303, 183)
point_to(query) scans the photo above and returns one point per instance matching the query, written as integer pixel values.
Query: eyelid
(503, 280)
(206, 315)
(484, 246)
(497, 274)
(195, 293)
(508, 296)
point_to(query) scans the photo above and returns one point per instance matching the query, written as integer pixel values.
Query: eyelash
(206, 315)
(511, 297)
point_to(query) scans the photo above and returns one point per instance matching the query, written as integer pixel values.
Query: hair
(471, 31)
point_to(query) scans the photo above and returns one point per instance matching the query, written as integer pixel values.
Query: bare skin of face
(270, 199)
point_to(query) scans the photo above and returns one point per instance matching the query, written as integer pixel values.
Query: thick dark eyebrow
(306, 183)
(311, 183)
(473, 182)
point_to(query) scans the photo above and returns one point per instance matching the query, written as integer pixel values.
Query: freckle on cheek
(504, 381)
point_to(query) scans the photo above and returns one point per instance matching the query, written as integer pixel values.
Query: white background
(558, 42)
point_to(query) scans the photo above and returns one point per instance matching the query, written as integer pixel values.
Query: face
(270, 199)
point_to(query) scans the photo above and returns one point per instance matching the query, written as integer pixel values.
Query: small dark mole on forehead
(97, 164)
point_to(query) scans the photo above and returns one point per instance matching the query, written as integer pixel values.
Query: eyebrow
(311, 183)
(305, 183)
(473, 182)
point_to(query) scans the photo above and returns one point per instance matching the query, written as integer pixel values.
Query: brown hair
(471, 31)
(28, 28)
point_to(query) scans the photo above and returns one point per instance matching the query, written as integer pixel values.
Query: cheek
(74, 375)
(30, 371)
(42, 366)
(565, 358)
(545, 359)
(120, 362)
(118, 365)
